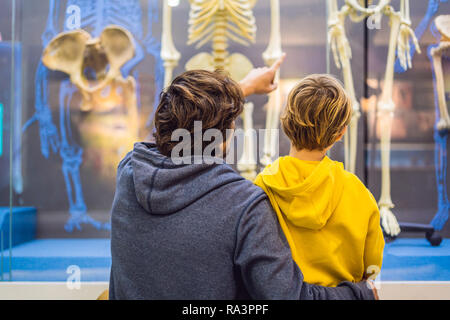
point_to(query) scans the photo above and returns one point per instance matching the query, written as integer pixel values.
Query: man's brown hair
(317, 111)
(210, 97)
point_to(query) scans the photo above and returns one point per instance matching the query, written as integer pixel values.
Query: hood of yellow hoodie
(306, 192)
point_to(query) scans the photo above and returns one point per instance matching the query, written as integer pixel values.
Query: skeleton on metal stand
(399, 41)
(440, 133)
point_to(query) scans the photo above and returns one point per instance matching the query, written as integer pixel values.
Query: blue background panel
(23, 225)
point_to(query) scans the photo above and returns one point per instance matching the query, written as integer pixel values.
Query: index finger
(276, 65)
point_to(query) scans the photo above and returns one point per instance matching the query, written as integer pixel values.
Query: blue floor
(416, 260)
(48, 260)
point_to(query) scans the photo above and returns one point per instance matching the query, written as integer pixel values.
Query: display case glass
(10, 53)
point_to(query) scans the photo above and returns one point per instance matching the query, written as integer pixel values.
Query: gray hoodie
(200, 231)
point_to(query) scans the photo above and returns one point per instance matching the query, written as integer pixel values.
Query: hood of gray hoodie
(164, 187)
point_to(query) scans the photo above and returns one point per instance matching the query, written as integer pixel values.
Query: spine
(220, 41)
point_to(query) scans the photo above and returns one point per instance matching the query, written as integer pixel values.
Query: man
(201, 231)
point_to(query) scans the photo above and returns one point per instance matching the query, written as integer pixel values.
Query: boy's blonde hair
(317, 111)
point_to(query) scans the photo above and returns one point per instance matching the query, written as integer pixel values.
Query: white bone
(342, 54)
(386, 112)
(169, 53)
(443, 25)
(247, 163)
(369, 11)
(401, 33)
(272, 53)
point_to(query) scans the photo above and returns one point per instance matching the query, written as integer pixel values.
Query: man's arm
(264, 260)
(261, 80)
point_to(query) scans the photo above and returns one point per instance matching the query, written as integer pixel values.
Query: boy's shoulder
(353, 179)
(357, 188)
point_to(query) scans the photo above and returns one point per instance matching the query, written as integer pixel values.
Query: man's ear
(65, 52)
(118, 44)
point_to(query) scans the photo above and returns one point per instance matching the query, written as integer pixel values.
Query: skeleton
(401, 33)
(94, 16)
(219, 21)
(436, 53)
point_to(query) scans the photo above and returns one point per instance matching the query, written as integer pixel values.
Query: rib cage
(231, 19)
(97, 14)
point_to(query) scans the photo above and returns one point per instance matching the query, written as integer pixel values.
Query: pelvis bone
(443, 25)
(74, 52)
(236, 64)
(108, 123)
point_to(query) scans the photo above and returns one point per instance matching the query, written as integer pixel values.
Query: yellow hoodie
(330, 219)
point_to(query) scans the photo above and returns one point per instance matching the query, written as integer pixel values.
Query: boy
(330, 219)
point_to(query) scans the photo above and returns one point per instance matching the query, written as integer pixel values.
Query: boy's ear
(342, 134)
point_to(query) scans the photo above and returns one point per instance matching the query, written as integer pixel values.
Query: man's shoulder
(242, 190)
(125, 160)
